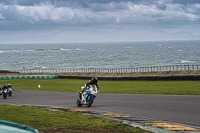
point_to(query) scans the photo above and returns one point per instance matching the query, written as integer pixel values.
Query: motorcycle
(10, 90)
(5, 93)
(88, 96)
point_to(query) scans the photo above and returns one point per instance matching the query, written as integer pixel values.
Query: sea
(128, 54)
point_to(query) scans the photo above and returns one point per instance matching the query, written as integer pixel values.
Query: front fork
(79, 95)
(88, 97)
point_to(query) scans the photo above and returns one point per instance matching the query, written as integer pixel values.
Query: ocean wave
(30, 50)
(10, 51)
(41, 50)
(55, 49)
(64, 49)
(38, 67)
(79, 49)
(186, 61)
(59, 49)
(16, 50)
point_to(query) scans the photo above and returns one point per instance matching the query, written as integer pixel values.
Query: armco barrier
(150, 78)
(30, 77)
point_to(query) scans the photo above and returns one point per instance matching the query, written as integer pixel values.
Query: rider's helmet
(94, 79)
(8, 84)
(4, 85)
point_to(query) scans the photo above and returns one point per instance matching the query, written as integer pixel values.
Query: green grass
(50, 121)
(154, 87)
(132, 87)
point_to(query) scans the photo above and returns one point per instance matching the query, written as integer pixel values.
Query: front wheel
(10, 93)
(78, 103)
(89, 103)
(5, 96)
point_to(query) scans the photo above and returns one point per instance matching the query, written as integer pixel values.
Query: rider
(93, 81)
(9, 86)
(4, 87)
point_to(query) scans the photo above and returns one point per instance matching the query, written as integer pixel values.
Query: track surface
(184, 109)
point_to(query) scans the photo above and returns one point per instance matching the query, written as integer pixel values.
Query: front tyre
(10, 94)
(78, 103)
(89, 103)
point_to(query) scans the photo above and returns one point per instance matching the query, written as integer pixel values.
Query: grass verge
(132, 87)
(50, 121)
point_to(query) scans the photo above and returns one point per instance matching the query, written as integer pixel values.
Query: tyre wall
(30, 77)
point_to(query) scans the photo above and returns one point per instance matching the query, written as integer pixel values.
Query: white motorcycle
(4, 93)
(88, 96)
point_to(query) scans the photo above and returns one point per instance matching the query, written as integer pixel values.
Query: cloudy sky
(47, 16)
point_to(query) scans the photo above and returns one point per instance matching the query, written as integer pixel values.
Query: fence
(113, 70)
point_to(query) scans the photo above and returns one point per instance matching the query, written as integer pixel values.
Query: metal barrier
(113, 70)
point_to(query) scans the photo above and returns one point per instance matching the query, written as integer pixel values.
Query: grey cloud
(47, 13)
(186, 2)
(85, 2)
(1, 16)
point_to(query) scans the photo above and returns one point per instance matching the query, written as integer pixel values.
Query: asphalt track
(184, 109)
